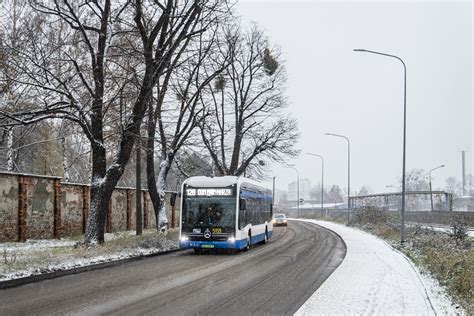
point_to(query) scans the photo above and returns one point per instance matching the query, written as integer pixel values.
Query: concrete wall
(119, 210)
(72, 209)
(40, 208)
(37, 207)
(8, 207)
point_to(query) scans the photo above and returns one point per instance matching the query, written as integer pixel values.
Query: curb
(56, 274)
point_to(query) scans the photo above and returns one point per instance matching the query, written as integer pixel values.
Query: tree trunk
(98, 196)
(160, 187)
(65, 161)
(234, 164)
(10, 151)
(138, 190)
(150, 166)
(156, 190)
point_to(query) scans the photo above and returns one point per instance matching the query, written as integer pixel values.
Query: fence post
(145, 211)
(85, 207)
(450, 201)
(57, 208)
(173, 208)
(108, 218)
(22, 207)
(129, 209)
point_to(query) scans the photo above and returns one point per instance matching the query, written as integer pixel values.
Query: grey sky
(333, 89)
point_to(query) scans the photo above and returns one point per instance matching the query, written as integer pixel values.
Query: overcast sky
(333, 89)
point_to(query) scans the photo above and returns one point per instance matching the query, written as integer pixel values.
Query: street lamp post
(348, 174)
(322, 179)
(297, 189)
(273, 192)
(402, 228)
(431, 190)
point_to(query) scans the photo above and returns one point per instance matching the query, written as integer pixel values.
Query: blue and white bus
(224, 213)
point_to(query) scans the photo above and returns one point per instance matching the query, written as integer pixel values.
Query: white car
(280, 220)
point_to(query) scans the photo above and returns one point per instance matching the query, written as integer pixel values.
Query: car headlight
(184, 238)
(274, 221)
(231, 239)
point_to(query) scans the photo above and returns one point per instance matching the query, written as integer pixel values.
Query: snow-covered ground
(444, 229)
(38, 256)
(375, 279)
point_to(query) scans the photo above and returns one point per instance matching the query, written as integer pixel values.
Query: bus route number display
(209, 192)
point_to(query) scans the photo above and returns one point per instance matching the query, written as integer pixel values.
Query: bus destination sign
(209, 192)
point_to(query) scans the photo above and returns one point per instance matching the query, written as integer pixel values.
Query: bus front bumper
(238, 244)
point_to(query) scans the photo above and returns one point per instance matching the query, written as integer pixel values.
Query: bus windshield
(209, 211)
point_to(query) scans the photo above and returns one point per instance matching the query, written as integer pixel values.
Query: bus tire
(249, 242)
(265, 239)
(197, 251)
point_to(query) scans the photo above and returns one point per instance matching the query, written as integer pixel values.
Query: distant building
(305, 189)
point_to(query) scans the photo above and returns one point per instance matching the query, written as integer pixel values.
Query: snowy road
(276, 278)
(374, 279)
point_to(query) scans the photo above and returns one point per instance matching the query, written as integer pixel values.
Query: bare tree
(417, 180)
(95, 68)
(246, 122)
(12, 26)
(174, 113)
(453, 186)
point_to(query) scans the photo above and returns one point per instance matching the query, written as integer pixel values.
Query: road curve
(276, 278)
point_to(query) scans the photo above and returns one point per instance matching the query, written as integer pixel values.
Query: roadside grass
(36, 257)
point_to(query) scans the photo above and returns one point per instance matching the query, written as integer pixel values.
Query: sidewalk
(375, 279)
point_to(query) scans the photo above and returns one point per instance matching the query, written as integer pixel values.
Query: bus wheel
(265, 239)
(249, 242)
(197, 251)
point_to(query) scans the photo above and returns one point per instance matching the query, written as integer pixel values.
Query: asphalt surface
(276, 278)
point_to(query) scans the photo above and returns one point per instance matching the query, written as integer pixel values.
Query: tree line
(89, 82)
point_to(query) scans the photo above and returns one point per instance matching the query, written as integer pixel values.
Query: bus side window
(248, 212)
(241, 219)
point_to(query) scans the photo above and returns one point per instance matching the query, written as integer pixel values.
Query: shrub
(369, 215)
(459, 231)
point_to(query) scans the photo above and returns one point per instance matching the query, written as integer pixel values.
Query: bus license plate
(207, 246)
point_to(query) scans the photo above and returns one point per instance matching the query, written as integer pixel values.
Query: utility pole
(138, 190)
(273, 193)
(322, 181)
(463, 153)
(431, 190)
(402, 219)
(348, 174)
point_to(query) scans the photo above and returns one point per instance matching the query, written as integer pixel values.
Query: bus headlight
(184, 238)
(231, 239)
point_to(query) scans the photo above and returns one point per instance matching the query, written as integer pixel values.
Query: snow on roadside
(32, 248)
(375, 279)
(443, 228)
(40, 244)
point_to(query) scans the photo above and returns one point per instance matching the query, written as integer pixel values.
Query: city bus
(226, 212)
